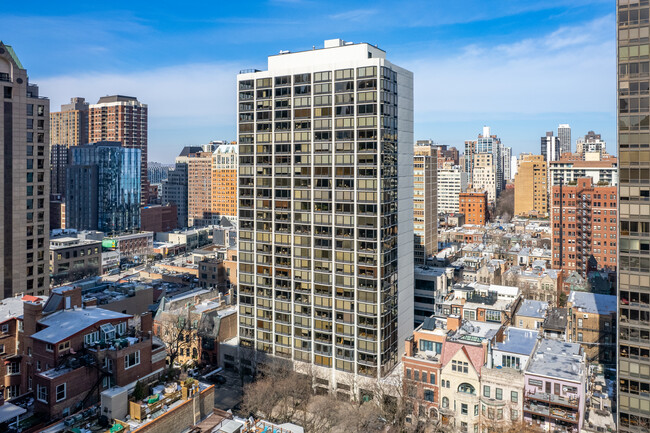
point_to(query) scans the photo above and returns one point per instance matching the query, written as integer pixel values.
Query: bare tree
(174, 329)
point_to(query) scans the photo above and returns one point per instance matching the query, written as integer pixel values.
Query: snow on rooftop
(66, 323)
(593, 303)
(11, 308)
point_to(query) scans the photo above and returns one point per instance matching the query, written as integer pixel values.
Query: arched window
(445, 402)
(466, 388)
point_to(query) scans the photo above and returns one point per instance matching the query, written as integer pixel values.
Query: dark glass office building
(103, 187)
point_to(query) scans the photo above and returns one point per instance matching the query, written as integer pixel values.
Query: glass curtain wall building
(325, 195)
(634, 208)
(103, 187)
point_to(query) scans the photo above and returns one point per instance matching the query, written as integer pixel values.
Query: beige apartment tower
(634, 219)
(425, 202)
(531, 189)
(224, 182)
(199, 189)
(124, 119)
(69, 127)
(325, 264)
(25, 174)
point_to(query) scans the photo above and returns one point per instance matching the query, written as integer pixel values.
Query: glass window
(499, 394)
(486, 391)
(514, 396)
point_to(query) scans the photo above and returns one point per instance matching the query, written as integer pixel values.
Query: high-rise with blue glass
(103, 187)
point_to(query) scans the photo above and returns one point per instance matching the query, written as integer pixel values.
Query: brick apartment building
(11, 326)
(71, 352)
(159, 218)
(584, 226)
(592, 324)
(474, 205)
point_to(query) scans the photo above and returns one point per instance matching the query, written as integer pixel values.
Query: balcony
(551, 412)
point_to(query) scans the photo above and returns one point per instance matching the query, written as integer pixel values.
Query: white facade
(484, 177)
(326, 209)
(451, 182)
(564, 135)
(563, 172)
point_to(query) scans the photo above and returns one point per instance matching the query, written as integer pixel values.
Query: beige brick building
(531, 188)
(425, 202)
(25, 174)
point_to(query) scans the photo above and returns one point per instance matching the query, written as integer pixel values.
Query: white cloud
(568, 70)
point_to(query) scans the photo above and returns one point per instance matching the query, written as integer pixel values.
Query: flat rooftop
(593, 303)
(532, 308)
(517, 340)
(66, 323)
(558, 359)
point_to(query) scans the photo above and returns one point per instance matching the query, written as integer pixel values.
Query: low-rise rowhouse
(72, 352)
(14, 383)
(132, 247)
(592, 324)
(556, 386)
(73, 258)
(531, 314)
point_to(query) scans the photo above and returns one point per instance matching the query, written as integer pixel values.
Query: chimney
(408, 346)
(71, 297)
(485, 344)
(146, 323)
(453, 322)
(32, 313)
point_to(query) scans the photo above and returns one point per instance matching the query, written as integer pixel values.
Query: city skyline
(470, 69)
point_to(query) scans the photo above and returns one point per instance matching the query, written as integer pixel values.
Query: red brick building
(584, 226)
(474, 205)
(159, 218)
(71, 352)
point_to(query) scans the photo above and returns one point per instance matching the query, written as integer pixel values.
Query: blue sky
(521, 67)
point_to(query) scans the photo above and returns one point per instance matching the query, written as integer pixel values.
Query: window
(92, 338)
(432, 378)
(514, 414)
(13, 368)
(459, 366)
(424, 376)
(416, 375)
(514, 396)
(60, 392)
(499, 413)
(428, 395)
(535, 383)
(65, 345)
(121, 328)
(132, 359)
(2, 349)
(445, 402)
(408, 373)
(13, 391)
(38, 365)
(486, 391)
(580, 336)
(5, 328)
(476, 410)
(49, 347)
(463, 409)
(499, 394)
(41, 393)
(466, 388)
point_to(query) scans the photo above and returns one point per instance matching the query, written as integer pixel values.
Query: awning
(10, 411)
